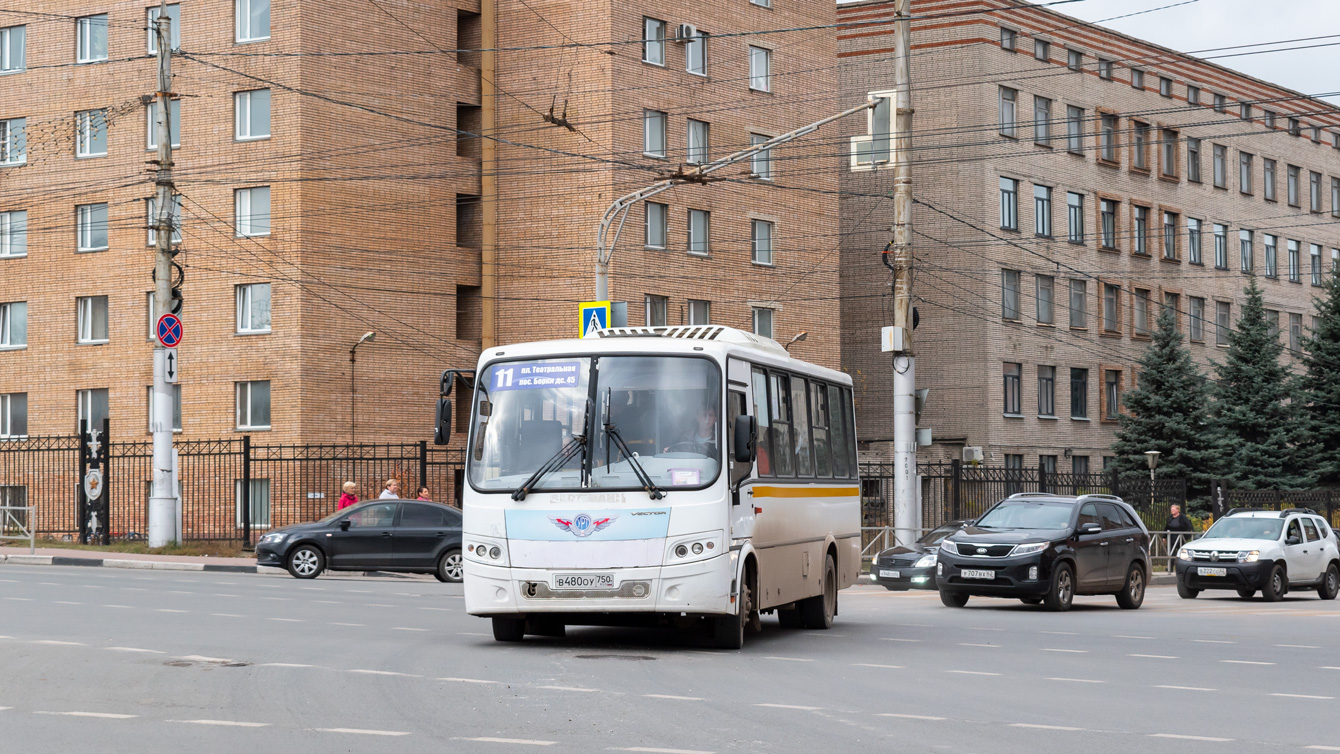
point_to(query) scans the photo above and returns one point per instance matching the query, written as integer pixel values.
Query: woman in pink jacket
(348, 498)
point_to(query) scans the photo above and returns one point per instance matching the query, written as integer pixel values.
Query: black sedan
(913, 567)
(404, 536)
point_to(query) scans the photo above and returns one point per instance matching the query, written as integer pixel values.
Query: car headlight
(949, 547)
(274, 538)
(925, 561)
(1028, 549)
(1249, 556)
(1184, 554)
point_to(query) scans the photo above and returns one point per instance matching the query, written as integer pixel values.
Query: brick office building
(1071, 181)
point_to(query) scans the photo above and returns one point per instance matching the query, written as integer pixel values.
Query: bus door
(739, 402)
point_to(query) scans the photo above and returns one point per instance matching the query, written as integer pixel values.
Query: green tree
(1168, 412)
(1319, 385)
(1259, 429)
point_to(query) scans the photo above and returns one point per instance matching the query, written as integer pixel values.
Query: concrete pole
(163, 502)
(488, 179)
(907, 514)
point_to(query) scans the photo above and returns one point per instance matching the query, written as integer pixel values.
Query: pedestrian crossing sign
(593, 316)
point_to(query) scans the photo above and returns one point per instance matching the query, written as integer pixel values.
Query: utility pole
(906, 511)
(163, 501)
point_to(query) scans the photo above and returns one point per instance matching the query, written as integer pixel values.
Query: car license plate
(969, 573)
(1211, 571)
(890, 574)
(584, 581)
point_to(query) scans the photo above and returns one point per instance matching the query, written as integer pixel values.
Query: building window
(700, 232)
(761, 162)
(252, 207)
(1268, 178)
(1196, 319)
(1140, 145)
(1292, 183)
(1192, 94)
(1273, 324)
(13, 416)
(1193, 160)
(1141, 301)
(1074, 60)
(1013, 399)
(1223, 320)
(176, 407)
(13, 141)
(1010, 293)
(253, 20)
(1165, 86)
(1168, 153)
(1042, 121)
(656, 310)
(1295, 128)
(1335, 261)
(253, 308)
(1079, 465)
(1296, 333)
(1008, 39)
(1079, 393)
(1111, 308)
(656, 231)
(700, 312)
(91, 38)
(760, 242)
(151, 219)
(1042, 211)
(13, 49)
(1075, 216)
(1141, 230)
(14, 324)
(1046, 299)
(760, 69)
(151, 124)
(1169, 235)
(695, 54)
(14, 233)
(1173, 303)
(1111, 394)
(653, 133)
(763, 322)
(260, 502)
(1009, 204)
(762, 3)
(1008, 111)
(1335, 197)
(1269, 117)
(253, 405)
(1193, 241)
(91, 407)
(1079, 303)
(174, 27)
(1137, 78)
(699, 143)
(92, 320)
(1107, 137)
(1074, 129)
(91, 226)
(1272, 245)
(251, 114)
(1316, 264)
(1244, 172)
(1042, 50)
(1220, 246)
(1245, 250)
(1293, 262)
(1220, 166)
(90, 131)
(1107, 210)
(1245, 111)
(1314, 191)
(1104, 69)
(1047, 391)
(1220, 103)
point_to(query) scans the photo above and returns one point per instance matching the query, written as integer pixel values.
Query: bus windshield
(665, 410)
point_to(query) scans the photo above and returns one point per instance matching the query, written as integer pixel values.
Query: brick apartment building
(1071, 182)
(325, 193)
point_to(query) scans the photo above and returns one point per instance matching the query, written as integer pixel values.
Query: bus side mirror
(442, 429)
(743, 452)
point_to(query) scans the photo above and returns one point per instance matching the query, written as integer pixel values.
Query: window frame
(762, 245)
(87, 129)
(84, 404)
(244, 296)
(653, 304)
(1008, 111)
(649, 117)
(13, 142)
(761, 158)
(8, 320)
(1075, 217)
(1046, 392)
(1009, 203)
(151, 217)
(1170, 235)
(760, 313)
(1074, 129)
(176, 408)
(86, 321)
(14, 234)
(86, 38)
(1193, 160)
(1246, 250)
(246, 229)
(663, 226)
(239, 117)
(757, 54)
(1140, 229)
(86, 226)
(1079, 294)
(1011, 295)
(244, 37)
(1112, 390)
(1042, 211)
(1220, 235)
(1195, 319)
(1079, 399)
(1223, 322)
(174, 28)
(1042, 120)
(9, 50)
(1195, 236)
(1012, 386)
(7, 428)
(1111, 321)
(695, 49)
(699, 247)
(1108, 210)
(1044, 299)
(151, 128)
(1271, 244)
(1269, 175)
(248, 387)
(703, 304)
(698, 142)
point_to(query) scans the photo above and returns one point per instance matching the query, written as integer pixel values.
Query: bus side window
(801, 426)
(850, 419)
(780, 393)
(735, 406)
(761, 415)
(820, 422)
(837, 424)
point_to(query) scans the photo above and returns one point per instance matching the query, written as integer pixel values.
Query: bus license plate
(968, 573)
(1211, 571)
(584, 581)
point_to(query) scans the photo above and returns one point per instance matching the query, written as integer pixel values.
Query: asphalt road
(113, 661)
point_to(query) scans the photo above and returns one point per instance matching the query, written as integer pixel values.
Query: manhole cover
(635, 658)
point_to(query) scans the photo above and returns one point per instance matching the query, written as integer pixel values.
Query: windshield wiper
(564, 454)
(642, 476)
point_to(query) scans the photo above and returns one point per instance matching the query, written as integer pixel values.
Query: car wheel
(729, 630)
(1132, 594)
(450, 567)
(1330, 584)
(790, 618)
(1031, 600)
(306, 562)
(508, 629)
(1062, 591)
(1246, 594)
(953, 599)
(1186, 592)
(1276, 583)
(818, 611)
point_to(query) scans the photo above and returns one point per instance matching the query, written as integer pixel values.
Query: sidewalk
(93, 558)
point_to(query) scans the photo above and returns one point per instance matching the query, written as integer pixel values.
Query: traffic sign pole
(163, 500)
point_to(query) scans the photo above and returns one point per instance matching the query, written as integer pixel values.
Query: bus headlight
(485, 550)
(693, 547)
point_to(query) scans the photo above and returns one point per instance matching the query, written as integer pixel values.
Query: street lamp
(803, 334)
(367, 336)
(1152, 456)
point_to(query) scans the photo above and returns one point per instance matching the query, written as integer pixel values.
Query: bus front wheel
(508, 629)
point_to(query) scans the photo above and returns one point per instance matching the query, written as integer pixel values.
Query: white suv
(1270, 551)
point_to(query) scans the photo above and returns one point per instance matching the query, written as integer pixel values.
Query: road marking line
(287, 620)
(1127, 636)
(217, 594)
(1297, 646)
(440, 609)
(363, 732)
(360, 625)
(401, 628)
(1067, 651)
(1323, 748)
(872, 665)
(133, 649)
(788, 659)
(471, 633)
(385, 672)
(60, 602)
(20, 599)
(166, 610)
(2, 709)
(327, 602)
(660, 751)
(963, 644)
(909, 717)
(970, 672)
(1185, 688)
(1305, 696)
(521, 741)
(982, 628)
(1076, 680)
(121, 607)
(233, 723)
(469, 680)
(790, 706)
(1059, 633)
(910, 641)
(60, 643)
(1329, 667)
(1190, 738)
(1042, 727)
(1246, 662)
(568, 688)
(672, 697)
(1212, 641)
(226, 615)
(284, 665)
(1156, 657)
(107, 715)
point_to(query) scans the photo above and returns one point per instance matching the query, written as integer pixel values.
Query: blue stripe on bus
(592, 524)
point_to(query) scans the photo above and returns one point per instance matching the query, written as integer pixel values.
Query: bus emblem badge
(582, 525)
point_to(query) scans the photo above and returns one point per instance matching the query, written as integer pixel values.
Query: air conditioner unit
(684, 32)
(972, 454)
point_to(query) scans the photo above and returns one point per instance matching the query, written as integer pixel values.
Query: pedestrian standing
(392, 489)
(1177, 522)
(425, 495)
(349, 496)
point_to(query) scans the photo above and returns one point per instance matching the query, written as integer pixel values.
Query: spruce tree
(1259, 429)
(1319, 385)
(1168, 412)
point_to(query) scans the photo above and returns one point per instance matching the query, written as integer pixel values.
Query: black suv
(1045, 549)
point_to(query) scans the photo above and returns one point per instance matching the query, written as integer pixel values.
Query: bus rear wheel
(818, 611)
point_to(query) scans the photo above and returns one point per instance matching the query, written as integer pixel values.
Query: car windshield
(1245, 527)
(1027, 514)
(934, 536)
(665, 409)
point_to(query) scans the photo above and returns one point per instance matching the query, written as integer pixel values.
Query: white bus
(656, 476)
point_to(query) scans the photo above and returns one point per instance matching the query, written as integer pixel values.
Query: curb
(146, 565)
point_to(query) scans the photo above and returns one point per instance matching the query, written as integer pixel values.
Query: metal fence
(1325, 502)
